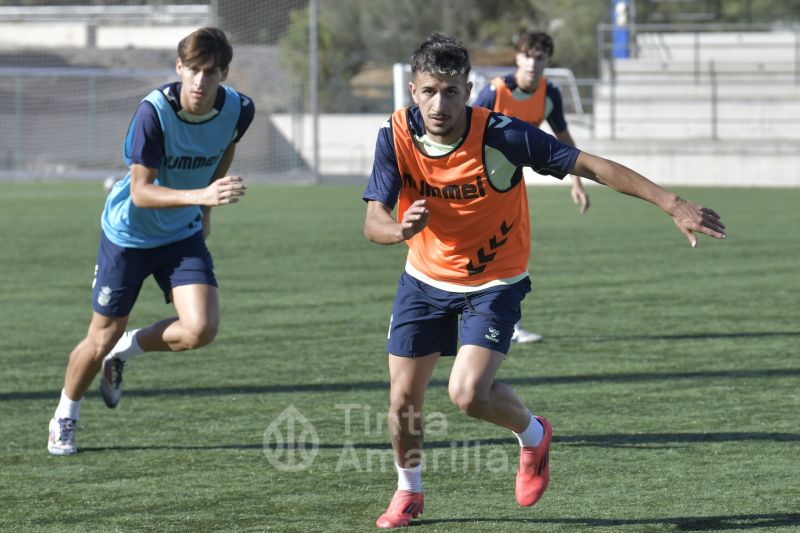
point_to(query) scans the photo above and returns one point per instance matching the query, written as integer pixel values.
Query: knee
(470, 399)
(101, 341)
(404, 412)
(199, 335)
(399, 403)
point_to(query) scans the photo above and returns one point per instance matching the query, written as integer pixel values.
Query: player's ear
(178, 66)
(468, 89)
(413, 90)
(224, 74)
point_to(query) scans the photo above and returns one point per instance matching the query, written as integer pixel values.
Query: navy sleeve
(556, 117)
(526, 145)
(486, 97)
(384, 182)
(146, 138)
(245, 117)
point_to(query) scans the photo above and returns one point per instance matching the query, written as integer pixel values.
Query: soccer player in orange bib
(455, 174)
(527, 95)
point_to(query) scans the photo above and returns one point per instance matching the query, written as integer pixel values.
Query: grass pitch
(669, 374)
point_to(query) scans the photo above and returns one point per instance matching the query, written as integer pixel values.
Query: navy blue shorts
(120, 272)
(425, 319)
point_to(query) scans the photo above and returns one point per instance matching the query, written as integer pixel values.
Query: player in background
(179, 147)
(527, 95)
(455, 174)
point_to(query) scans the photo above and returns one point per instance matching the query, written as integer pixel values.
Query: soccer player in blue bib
(179, 147)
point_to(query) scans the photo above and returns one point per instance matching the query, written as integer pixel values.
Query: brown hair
(535, 39)
(205, 44)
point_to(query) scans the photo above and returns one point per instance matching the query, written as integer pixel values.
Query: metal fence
(699, 43)
(72, 76)
(698, 81)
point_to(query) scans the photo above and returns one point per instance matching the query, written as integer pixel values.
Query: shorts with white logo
(120, 272)
(425, 319)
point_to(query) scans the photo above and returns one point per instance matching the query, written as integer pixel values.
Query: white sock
(68, 408)
(532, 435)
(409, 479)
(126, 346)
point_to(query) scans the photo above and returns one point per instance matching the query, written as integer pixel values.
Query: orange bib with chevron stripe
(476, 233)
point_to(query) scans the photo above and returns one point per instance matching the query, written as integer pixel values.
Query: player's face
(200, 83)
(530, 67)
(442, 102)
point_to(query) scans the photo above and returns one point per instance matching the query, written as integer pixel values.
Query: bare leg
(87, 356)
(474, 391)
(409, 380)
(195, 326)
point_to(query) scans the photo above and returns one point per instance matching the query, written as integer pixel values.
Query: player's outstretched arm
(688, 216)
(381, 228)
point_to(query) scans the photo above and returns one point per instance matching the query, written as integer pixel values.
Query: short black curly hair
(441, 54)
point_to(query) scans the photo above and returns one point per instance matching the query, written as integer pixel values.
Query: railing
(185, 14)
(719, 107)
(712, 81)
(699, 44)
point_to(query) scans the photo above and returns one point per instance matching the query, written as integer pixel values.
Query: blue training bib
(192, 152)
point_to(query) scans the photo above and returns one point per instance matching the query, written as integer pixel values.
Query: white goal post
(481, 76)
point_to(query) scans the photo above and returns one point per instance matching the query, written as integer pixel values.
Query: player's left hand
(690, 218)
(224, 191)
(579, 197)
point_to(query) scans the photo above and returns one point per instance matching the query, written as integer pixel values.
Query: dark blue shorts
(120, 272)
(426, 319)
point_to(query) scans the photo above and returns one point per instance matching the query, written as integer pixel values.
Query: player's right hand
(415, 219)
(225, 191)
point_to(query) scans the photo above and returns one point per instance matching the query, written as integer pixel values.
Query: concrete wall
(347, 142)
(707, 163)
(78, 35)
(347, 145)
(133, 37)
(731, 46)
(38, 35)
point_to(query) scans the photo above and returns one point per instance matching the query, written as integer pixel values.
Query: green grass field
(670, 375)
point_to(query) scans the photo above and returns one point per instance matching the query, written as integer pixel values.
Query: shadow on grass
(681, 336)
(688, 523)
(384, 386)
(648, 440)
(657, 440)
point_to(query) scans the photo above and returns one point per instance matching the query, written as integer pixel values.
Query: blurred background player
(527, 95)
(455, 174)
(179, 147)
